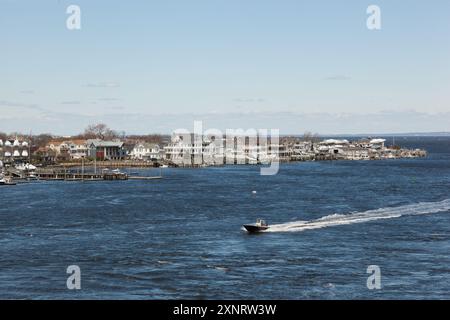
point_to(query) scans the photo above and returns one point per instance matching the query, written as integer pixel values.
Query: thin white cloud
(27, 92)
(102, 85)
(15, 104)
(108, 99)
(338, 77)
(251, 100)
(71, 102)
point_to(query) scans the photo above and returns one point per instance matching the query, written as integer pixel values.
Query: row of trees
(102, 131)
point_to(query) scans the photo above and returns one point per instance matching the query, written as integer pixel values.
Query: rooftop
(103, 143)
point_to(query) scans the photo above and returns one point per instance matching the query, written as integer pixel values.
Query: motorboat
(6, 181)
(32, 177)
(259, 226)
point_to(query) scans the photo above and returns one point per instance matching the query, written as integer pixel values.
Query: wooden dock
(112, 164)
(65, 176)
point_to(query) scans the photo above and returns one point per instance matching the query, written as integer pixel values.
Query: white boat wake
(359, 217)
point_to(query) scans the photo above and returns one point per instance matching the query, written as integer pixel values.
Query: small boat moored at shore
(7, 181)
(259, 226)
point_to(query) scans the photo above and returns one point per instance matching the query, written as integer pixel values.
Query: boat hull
(255, 229)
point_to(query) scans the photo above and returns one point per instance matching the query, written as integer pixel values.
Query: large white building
(146, 151)
(13, 150)
(191, 149)
(185, 150)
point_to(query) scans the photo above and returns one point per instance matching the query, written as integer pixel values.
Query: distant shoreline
(384, 135)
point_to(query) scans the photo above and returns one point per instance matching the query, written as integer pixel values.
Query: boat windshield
(261, 222)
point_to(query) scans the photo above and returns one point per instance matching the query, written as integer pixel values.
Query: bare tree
(99, 131)
(309, 136)
(41, 140)
(315, 138)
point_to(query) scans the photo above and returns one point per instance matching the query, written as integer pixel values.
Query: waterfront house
(105, 150)
(191, 149)
(14, 150)
(258, 153)
(363, 143)
(302, 147)
(185, 149)
(357, 153)
(303, 150)
(280, 151)
(213, 152)
(146, 151)
(59, 146)
(77, 148)
(127, 148)
(337, 148)
(377, 144)
(69, 149)
(45, 155)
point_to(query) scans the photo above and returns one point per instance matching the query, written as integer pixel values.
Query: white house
(185, 149)
(377, 143)
(78, 148)
(146, 151)
(333, 146)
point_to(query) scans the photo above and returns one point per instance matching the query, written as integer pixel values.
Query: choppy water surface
(181, 237)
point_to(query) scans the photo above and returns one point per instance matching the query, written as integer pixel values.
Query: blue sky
(261, 59)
